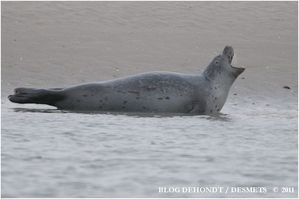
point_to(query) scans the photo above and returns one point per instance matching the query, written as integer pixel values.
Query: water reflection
(37, 110)
(214, 117)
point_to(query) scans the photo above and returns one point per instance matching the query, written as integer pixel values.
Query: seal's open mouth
(237, 71)
(238, 68)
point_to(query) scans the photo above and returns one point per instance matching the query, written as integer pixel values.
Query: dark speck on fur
(149, 88)
(167, 98)
(160, 98)
(134, 92)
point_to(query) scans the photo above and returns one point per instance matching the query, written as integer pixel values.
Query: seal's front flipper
(56, 89)
(37, 96)
(197, 109)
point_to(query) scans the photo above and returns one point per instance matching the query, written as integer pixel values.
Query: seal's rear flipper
(37, 96)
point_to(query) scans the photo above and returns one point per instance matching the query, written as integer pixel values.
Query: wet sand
(54, 44)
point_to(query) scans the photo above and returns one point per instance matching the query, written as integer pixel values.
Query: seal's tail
(37, 96)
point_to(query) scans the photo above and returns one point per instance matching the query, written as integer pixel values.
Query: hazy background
(49, 44)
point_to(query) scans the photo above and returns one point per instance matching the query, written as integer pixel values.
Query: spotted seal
(172, 92)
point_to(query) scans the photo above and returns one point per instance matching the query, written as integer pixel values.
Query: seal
(159, 92)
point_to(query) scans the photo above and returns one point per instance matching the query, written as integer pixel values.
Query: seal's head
(221, 68)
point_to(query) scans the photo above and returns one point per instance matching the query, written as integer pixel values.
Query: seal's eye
(216, 62)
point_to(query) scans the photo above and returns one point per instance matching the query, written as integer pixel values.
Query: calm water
(50, 153)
